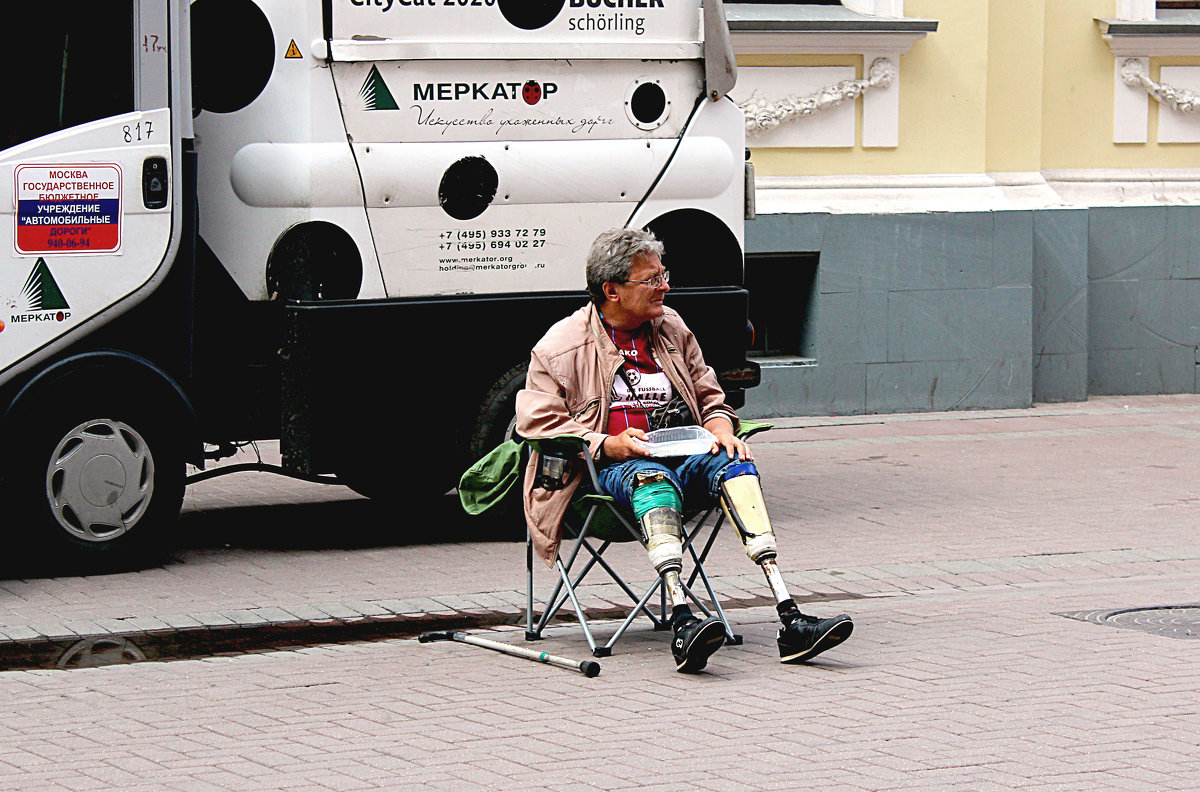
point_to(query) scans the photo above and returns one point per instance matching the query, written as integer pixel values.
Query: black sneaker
(694, 643)
(808, 636)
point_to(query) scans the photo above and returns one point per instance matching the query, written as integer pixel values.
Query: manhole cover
(1173, 621)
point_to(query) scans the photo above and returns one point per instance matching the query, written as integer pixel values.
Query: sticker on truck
(68, 208)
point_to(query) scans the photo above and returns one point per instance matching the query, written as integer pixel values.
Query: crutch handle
(436, 636)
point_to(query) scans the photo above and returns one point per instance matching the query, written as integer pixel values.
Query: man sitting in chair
(600, 374)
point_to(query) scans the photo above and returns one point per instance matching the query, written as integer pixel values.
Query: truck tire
(493, 425)
(497, 413)
(101, 480)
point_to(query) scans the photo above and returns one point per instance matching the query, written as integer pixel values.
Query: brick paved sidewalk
(865, 506)
(979, 688)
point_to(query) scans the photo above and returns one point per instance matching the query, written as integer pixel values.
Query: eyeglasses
(655, 282)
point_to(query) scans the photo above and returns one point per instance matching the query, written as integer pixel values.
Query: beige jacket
(568, 391)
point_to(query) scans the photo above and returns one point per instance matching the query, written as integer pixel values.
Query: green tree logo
(41, 292)
(375, 94)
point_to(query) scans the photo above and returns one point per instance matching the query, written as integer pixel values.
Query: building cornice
(762, 28)
(1174, 32)
(976, 192)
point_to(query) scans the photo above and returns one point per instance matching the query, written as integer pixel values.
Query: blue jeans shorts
(696, 477)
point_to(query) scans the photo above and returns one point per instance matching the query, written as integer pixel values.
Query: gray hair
(612, 255)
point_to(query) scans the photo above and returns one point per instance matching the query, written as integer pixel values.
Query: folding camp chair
(594, 518)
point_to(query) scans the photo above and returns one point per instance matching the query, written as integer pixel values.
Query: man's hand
(625, 446)
(726, 440)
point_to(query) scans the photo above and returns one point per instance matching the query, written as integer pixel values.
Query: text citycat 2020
(339, 223)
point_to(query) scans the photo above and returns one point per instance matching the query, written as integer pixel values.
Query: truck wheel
(497, 413)
(100, 484)
(493, 425)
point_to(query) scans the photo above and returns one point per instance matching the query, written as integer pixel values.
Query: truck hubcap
(100, 480)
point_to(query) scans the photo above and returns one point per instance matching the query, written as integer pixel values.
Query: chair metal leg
(564, 588)
(641, 605)
(562, 592)
(559, 598)
(698, 560)
(620, 583)
(530, 635)
(712, 537)
(570, 579)
(587, 633)
(553, 602)
(730, 638)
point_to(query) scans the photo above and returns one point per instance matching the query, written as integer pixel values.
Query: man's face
(639, 300)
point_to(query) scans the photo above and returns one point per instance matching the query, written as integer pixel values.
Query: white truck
(339, 223)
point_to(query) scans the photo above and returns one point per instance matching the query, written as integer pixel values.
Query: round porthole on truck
(222, 83)
(530, 14)
(646, 104)
(315, 261)
(701, 250)
(468, 188)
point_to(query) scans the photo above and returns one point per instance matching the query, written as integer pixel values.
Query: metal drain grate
(1173, 621)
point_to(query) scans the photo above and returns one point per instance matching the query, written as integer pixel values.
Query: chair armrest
(566, 444)
(748, 428)
(569, 445)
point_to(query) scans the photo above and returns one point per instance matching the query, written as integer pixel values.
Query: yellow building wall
(1002, 86)
(1077, 94)
(1015, 75)
(1077, 105)
(943, 91)
(943, 103)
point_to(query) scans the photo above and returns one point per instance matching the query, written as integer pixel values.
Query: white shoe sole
(708, 640)
(835, 635)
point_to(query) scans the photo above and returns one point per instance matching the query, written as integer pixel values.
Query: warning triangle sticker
(293, 51)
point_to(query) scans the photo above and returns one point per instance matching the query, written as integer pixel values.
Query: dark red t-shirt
(651, 388)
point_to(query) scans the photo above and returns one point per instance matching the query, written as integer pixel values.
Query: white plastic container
(679, 441)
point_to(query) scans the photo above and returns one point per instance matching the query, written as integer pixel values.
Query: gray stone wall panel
(825, 389)
(988, 310)
(1127, 372)
(958, 324)
(851, 327)
(1183, 234)
(1060, 305)
(907, 252)
(1127, 243)
(946, 385)
(1060, 377)
(1013, 248)
(1144, 303)
(786, 233)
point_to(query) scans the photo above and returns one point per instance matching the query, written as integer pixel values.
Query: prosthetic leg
(801, 637)
(659, 511)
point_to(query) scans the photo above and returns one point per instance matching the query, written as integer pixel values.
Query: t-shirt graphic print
(651, 388)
